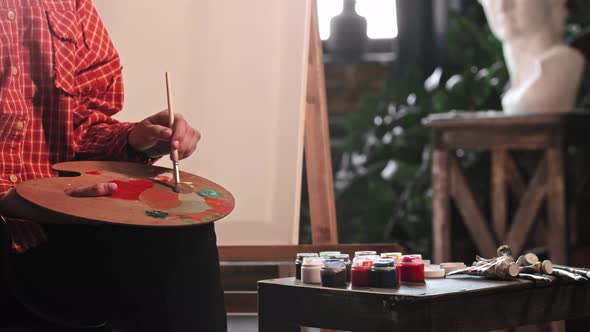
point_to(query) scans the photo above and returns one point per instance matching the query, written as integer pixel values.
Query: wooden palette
(145, 196)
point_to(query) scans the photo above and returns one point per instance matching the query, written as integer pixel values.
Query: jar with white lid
(311, 270)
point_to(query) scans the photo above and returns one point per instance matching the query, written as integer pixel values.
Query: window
(380, 14)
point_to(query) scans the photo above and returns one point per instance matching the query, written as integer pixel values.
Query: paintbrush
(544, 267)
(577, 270)
(569, 276)
(179, 186)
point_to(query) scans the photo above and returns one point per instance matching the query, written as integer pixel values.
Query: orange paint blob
(130, 190)
(94, 172)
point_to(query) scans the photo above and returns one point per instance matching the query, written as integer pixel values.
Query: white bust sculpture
(544, 73)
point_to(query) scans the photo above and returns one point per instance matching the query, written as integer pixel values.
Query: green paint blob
(156, 214)
(188, 221)
(211, 217)
(208, 193)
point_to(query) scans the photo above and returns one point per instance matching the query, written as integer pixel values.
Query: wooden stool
(550, 134)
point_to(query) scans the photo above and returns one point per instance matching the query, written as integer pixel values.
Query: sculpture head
(516, 19)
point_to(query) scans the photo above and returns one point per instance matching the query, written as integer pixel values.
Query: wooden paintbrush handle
(174, 155)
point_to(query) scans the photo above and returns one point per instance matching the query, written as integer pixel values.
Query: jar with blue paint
(383, 274)
(299, 262)
(333, 273)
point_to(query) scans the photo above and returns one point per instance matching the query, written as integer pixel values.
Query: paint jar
(299, 262)
(365, 253)
(398, 258)
(310, 270)
(359, 274)
(412, 268)
(347, 263)
(383, 274)
(326, 254)
(333, 273)
(396, 255)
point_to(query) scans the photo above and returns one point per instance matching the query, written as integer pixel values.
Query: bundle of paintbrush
(501, 267)
(527, 266)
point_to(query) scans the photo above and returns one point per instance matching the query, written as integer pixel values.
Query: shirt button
(14, 71)
(11, 15)
(20, 125)
(13, 178)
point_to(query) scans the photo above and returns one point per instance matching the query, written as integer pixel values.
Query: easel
(317, 142)
(320, 187)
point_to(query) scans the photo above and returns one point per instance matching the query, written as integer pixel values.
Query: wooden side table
(498, 133)
(452, 304)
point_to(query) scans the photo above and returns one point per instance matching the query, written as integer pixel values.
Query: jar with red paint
(359, 274)
(412, 268)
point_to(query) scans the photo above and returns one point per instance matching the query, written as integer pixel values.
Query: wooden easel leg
(441, 223)
(317, 144)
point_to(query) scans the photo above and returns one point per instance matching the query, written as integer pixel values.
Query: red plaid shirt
(60, 83)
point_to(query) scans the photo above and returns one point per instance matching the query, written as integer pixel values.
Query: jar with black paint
(333, 273)
(347, 263)
(299, 262)
(383, 274)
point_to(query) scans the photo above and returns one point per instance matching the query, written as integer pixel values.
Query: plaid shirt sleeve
(60, 83)
(99, 94)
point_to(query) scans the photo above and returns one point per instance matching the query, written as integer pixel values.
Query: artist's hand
(153, 137)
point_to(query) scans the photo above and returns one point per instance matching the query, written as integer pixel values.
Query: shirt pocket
(64, 32)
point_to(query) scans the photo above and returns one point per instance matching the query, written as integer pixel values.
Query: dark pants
(144, 279)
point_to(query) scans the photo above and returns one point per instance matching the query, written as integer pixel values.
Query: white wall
(238, 74)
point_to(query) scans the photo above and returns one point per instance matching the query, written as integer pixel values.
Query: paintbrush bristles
(184, 188)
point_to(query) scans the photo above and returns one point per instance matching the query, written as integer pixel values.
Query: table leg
(499, 193)
(441, 223)
(273, 315)
(558, 241)
(267, 324)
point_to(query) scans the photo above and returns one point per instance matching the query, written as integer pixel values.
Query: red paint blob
(130, 190)
(218, 205)
(94, 172)
(164, 179)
